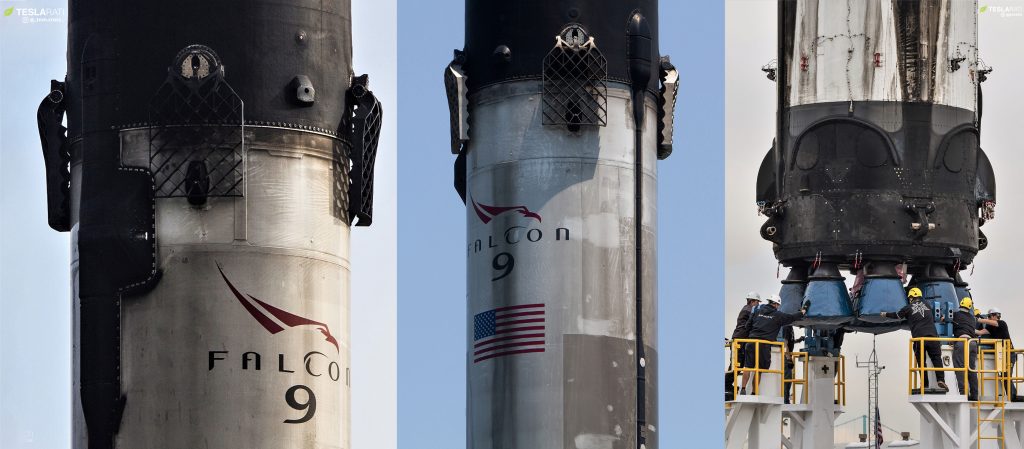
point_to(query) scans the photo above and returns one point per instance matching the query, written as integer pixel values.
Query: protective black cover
(528, 28)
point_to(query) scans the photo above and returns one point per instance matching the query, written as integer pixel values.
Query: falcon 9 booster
(215, 156)
(876, 166)
(559, 113)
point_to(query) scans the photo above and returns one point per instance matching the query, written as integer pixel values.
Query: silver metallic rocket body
(850, 51)
(210, 217)
(199, 368)
(551, 274)
(877, 160)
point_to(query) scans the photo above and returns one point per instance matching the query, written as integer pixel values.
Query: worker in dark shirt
(787, 336)
(837, 348)
(965, 326)
(753, 299)
(994, 327)
(740, 331)
(764, 325)
(921, 321)
(837, 340)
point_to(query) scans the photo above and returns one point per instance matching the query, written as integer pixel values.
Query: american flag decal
(508, 331)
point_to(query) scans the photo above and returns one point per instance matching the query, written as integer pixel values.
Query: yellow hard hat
(977, 311)
(967, 302)
(914, 293)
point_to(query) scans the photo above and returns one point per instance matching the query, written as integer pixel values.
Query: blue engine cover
(830, 304)
(792, 295)
(879, 295)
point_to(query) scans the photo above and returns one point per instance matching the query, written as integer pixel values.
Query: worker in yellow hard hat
(965, 325)
(921, 321)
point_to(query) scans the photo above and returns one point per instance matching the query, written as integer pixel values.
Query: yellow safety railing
(799, 377)
(918, 370)
(757, 370)
(1002, 375)
(998, 375)
(1015, 374)
(840, 382)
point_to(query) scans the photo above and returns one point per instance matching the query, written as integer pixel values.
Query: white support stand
(947, 420)
(1014, 431)
(812, 424)
(755, 421)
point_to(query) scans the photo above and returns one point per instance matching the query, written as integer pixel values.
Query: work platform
(816, 390)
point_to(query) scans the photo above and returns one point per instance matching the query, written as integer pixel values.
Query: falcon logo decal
(254, 306)
(487, 213)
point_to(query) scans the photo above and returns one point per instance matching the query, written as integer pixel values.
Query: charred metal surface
(459, 176)
(364, 136)
(787, 24)
(162, 100)
(56, 156)
(667, 107)
(526, 29)
(458, 101)
(341, 173)
(917, 35)
(268, 42)
(196, 117)
(876, 167)
(575, 81)
(867, 177)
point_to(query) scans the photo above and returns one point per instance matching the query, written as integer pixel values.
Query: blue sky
(431, 230)
(35, 326)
